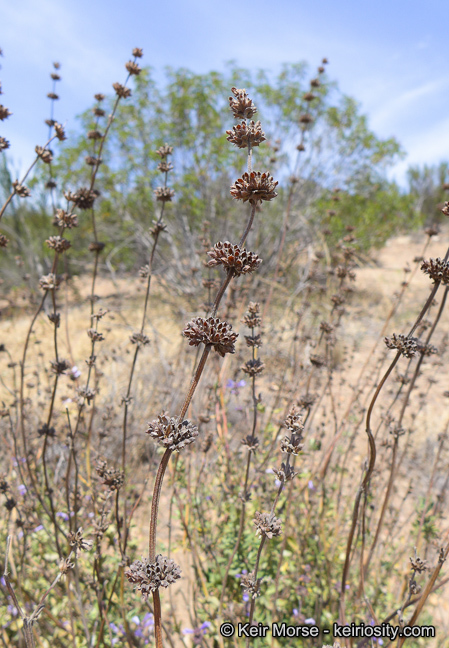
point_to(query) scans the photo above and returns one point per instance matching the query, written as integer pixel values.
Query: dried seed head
(110, 477)
(144, 271)
(157, 228)
(419, 565)
(317, 360)
(437, 269)
(90, 160)
(49, 282)
(164, 151)
(267, 525)
(309, 96)
(133, 68)
(252, 316)
(60, 132)
(77, 541)
(98, 112)
(243, 134)
(251, 585)
(306, 119)
(86, 393)
(213, 332)
(58, 244)
(94, 135)
(65, 565)
(293, 421)
(172, 435)
(55, 319)
(137, 52)
(53, 96)
(96, 246)
(59, 367)
(241, 105)
(240, 260)
(148, 577)
(21, 190)
(46, 431)
(433, 230)
(99, 96)
(253, 367)
(445, 208)
(140, 339)
(165, 167)
(55, 76)
(83, 197)
(50, 184)
(292, 445)
(251, 442)
(254, 187)
(121, 91)
(3, 240)
(405, 345)
(65, 219)
(4, 112)
(44, 154)
(426, 349)
(326, 327)
(315, 83)
(95, 335)
(164, 194)
(285, 473)
(254, 341)
(4, 144)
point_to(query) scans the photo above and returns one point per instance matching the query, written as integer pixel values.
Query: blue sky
(390, 55)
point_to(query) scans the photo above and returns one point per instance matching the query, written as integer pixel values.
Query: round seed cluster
(164, 194)
(83, 198)
(292, 445)
(148, 576)
(211, 331)
(140, 339)
(172, 435)
(407, 346)
(251, 442)
(243, 134)
(233, 257)
(267, 525)
(437, 269)
(254, 187)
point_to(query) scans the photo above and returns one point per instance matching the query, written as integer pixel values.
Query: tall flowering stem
(214, 334)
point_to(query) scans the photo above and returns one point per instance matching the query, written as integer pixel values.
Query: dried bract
(77, 541)
(4, 112)
(4, 144)
(110, 477)
(60, 133)
(59, 367)
(293, 421)
(83, 197)
(66, 219)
